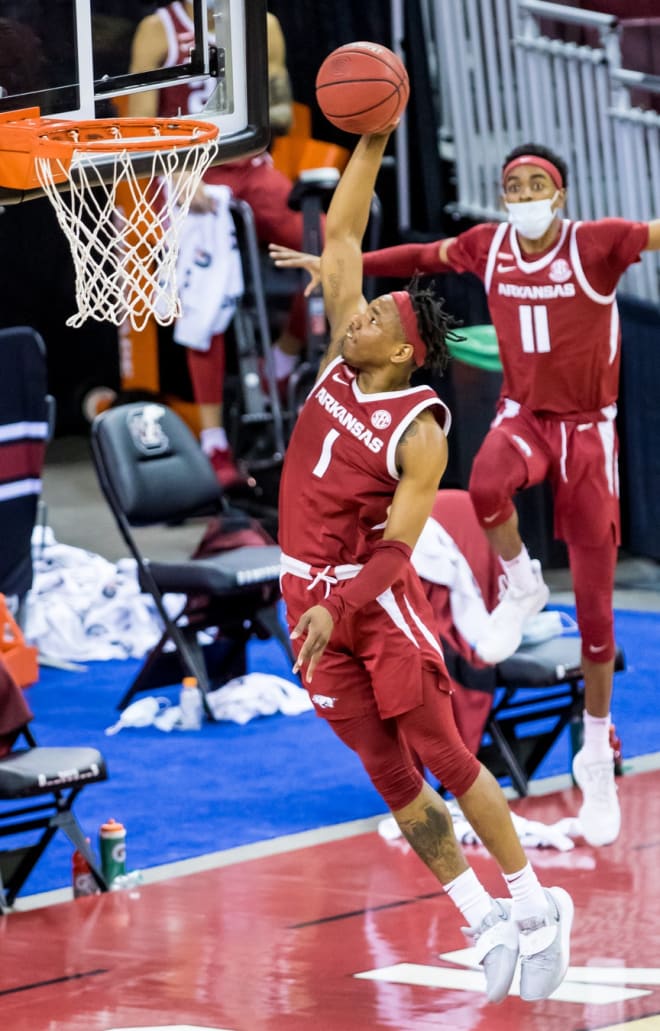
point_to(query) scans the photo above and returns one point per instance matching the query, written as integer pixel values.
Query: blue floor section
(189, 793)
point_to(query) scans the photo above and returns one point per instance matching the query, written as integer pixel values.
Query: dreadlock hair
(434, 323)
(539, 151)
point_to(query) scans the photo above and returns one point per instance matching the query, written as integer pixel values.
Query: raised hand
(285, 257)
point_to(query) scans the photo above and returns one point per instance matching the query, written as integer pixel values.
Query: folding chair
(45, 782)
(152, 471)
(540, 691)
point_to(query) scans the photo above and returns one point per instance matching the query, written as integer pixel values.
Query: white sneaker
(504, 629)
(495, 942)
(600, 815)
(545, 947)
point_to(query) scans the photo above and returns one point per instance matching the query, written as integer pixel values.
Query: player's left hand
(316, 626)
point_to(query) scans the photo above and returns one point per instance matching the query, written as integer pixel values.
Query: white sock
(213, 439)
(527, 894)
(597, 736)
(519, 572)
(469, 895)
(283, 363)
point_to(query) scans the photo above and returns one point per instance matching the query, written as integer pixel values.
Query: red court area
(352, 935)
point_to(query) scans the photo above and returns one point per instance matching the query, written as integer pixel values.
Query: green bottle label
(113, 856)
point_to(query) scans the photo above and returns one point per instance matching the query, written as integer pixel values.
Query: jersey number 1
(321, 466)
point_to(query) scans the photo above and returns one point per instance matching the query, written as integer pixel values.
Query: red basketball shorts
(377, 653)
(579, 459)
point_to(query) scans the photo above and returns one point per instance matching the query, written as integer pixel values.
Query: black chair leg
(162, 667)
(67, 822)
(518, 778)
(269, 619)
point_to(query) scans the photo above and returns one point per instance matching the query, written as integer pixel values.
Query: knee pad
(597, 632)
(432, 734)
(593, 581)
(389, 764)
(397, 785)
(497, 472)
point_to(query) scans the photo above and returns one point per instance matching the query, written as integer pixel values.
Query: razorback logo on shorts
(323, 701)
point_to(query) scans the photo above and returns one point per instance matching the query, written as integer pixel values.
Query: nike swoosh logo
(597, 648)
(489, 519)
(506, 268)
(337, 378)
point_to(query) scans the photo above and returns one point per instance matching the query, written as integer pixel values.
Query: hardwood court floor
(350, 935)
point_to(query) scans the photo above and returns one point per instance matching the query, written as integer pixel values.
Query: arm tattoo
(410, 431)
(335, 280)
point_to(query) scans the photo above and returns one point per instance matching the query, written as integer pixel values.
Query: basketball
(362, 87)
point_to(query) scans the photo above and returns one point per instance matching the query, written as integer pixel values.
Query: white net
(124, 233)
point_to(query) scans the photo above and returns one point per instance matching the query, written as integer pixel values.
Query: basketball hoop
(124, 254)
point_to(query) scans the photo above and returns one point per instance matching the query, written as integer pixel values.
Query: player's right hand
(315, 625)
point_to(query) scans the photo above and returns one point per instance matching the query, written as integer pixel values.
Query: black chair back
(150, 465)
(153, 471)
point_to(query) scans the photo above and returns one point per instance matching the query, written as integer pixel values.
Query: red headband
(409, 322)
(532, 159)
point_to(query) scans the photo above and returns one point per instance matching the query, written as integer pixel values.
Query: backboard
(72, 59)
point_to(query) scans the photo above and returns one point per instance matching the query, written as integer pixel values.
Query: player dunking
(550, 284)
(359, 481)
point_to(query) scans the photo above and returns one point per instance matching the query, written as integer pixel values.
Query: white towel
(257, 694)
(437, 559)
(83, 608)
(209, 273)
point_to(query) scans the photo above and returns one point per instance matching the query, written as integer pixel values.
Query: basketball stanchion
(124, 258)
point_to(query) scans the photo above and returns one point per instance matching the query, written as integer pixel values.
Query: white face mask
(532, 218)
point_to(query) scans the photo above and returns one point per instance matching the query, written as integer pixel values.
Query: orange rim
(24, 137)
(134, 134)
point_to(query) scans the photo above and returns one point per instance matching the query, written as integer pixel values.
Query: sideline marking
(599, 986)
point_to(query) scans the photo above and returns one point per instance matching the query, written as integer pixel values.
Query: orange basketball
(362, 87)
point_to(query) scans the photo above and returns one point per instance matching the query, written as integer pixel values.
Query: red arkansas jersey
(556, 317)
(340, 470)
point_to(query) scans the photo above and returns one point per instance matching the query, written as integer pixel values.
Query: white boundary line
(304, 839)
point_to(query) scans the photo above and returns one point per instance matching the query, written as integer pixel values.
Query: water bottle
(112, 846)
(190, 703)
(82, 877)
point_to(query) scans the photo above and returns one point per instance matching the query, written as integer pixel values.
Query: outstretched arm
(422, 457)
(341, 260)
(404, 260)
